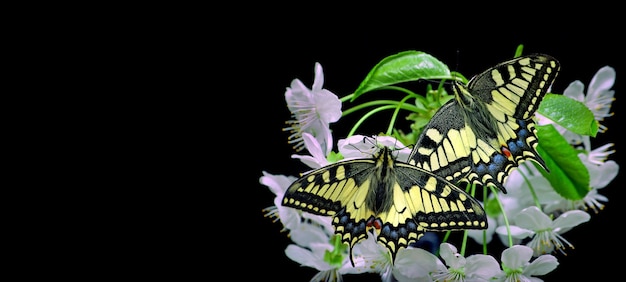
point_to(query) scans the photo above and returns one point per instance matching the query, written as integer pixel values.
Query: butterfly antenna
(457, 63)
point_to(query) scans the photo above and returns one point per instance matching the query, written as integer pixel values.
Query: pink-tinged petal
(356, 147)
(318, 82)
(533, 218)
(297, 95)
(400, 151)
(542, 265)
(308, 160)
(575, 90)
(516, 231)
(328, 106)
(603, 80)
(314, 147)
(278, 184)
(482, 266)
(317, 158)
(570, 219)
(516, 256)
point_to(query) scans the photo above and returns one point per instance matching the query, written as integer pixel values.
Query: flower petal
(306, 258)
(412, 263)
(317, 158)
(575, 90)
(449, 254)
(483, 266)
(328, 106)
(516, 256)
(603, 80)
(570, 219)
(541, 265)
(278, 184)
(318, 82)
(532, 218)
(516, 231)
(603, 175)
(356, 147)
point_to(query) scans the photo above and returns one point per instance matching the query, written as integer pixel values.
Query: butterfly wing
(398, 200)
(423, 201)
(445, 145)
(340, 190)
(515, 88)
(487, 130)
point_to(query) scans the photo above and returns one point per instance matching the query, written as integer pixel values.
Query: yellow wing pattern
(487, 130)
(399, 201)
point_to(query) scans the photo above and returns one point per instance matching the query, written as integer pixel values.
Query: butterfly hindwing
(399, 201)
(487, 130)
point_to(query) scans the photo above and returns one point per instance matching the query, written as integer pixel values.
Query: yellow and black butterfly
(400, 201)
(487, 130)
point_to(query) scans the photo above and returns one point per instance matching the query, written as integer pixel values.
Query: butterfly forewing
(487, 130)
(516, 87)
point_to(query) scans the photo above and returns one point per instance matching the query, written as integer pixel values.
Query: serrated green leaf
(568, 175)
(402, 67)
(569, 113)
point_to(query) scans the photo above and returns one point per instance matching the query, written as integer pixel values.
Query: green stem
(405, 106)
(367, 115)
(394, 116)
(346, 98)
(530, 185)
(485, 231)
(506, 220)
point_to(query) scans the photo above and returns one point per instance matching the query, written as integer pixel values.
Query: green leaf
(568, 175)
(402, 67)
(569, 113)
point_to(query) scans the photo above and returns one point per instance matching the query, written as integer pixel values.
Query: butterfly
(487, 130)
(399, 201)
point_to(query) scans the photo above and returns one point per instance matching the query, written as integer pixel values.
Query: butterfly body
(487, 130)
(397, 200)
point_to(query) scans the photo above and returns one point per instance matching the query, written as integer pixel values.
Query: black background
(270, 54)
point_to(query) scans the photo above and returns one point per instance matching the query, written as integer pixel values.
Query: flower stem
(506, 220)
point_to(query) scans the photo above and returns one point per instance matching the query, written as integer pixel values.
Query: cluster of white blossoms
(531, 220)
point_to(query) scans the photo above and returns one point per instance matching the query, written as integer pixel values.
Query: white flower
(517, 266)
(359, 146)
(370, 256)
(313, 110)
(545, 233)
(278, 184)
(415, 265)
(474, 268)
(312, 251)
(290, 218)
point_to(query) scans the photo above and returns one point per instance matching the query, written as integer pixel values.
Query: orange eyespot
(375, 222)
(506, 152)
